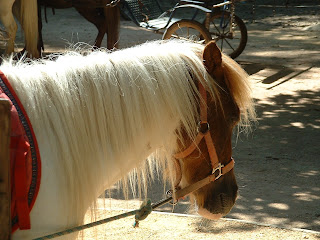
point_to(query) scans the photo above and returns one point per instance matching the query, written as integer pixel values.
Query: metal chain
(253, 11)
(232, 12)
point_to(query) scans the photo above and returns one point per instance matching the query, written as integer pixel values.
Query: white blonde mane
(109, 111)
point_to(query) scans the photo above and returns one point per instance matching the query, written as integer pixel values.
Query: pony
(101, 115)
(27, 14)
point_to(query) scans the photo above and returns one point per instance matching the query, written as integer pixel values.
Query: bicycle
(149, 15)
(228, 28)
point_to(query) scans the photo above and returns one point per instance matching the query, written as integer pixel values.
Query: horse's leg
(40, 45)
(99, 38)
(10, 25)
(95, 17)
(27, 13)
(112, 18)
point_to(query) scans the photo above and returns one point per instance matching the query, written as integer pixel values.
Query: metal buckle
(200, 129)
(217, 176)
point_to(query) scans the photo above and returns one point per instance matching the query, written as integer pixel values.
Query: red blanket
(25, 160)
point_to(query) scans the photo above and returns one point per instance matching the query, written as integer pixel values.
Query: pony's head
(227, 105)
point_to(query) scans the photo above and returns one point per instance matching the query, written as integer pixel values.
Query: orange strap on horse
(218, 168)
(181, 193)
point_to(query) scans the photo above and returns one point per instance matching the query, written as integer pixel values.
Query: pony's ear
(212, 56)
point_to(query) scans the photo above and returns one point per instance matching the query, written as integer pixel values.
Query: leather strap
(181, 193)
(216, 165)
(206, 135)
(21, 187)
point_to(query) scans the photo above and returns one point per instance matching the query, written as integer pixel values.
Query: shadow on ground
(282, 186)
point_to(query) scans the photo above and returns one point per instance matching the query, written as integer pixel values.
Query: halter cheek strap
(203, 132)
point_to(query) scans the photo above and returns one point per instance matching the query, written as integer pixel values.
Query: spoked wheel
(230, 44)
(188, 30)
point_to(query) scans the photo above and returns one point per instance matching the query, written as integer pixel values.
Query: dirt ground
(277, 165)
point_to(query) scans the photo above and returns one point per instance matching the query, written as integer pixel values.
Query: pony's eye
(234, 119)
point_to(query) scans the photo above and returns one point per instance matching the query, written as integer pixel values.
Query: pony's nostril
(222, 200)
(226, 202)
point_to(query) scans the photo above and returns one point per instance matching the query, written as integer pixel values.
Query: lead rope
(140, 214)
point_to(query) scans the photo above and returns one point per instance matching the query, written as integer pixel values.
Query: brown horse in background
(102, 13)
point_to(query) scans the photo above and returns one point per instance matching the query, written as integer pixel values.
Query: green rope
(140, 214)
(89, 225)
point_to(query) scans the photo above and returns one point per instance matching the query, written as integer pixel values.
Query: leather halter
(203, 132)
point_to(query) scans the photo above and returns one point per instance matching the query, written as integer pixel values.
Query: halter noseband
(203, 132)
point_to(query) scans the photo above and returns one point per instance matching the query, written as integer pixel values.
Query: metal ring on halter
(169, 193)
(207, 127)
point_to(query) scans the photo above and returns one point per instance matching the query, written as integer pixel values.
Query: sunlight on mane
(241, 91)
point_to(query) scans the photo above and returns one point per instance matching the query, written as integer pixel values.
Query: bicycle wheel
(187, 30)
(232, 45)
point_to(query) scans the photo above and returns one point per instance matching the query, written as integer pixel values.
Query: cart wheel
(220, 32)
(188, 30)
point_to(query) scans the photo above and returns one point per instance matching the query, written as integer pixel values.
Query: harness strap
(206, 135)
(193, 146)
(181, 193)
(218, 168)
(21, 185)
